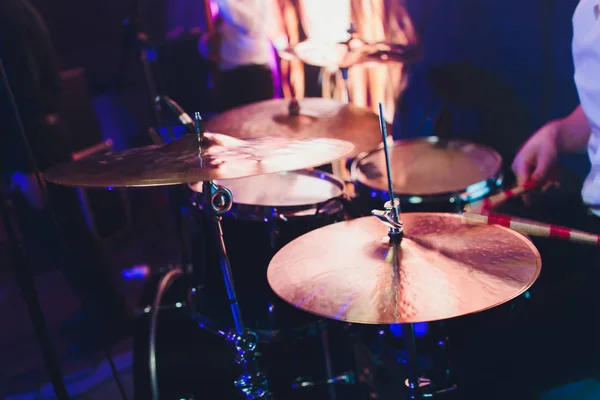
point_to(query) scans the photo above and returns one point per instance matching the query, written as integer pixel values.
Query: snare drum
(429, 174)
(268, 212)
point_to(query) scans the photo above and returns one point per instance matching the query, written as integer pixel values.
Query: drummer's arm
(277, 31)
(573, 133)
(241, 14)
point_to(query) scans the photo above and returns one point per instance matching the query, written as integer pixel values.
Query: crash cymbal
(223, 157)
(318, 118)
(442, 269)
(346, 55)
(380, 53)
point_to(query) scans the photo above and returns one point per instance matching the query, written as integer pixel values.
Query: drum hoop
(483, 189)
(492, 182)
(255, 212)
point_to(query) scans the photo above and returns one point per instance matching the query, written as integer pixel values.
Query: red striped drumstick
(533, 228)
(499, 198)
(493, 201)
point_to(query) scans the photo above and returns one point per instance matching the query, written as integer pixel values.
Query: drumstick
(533, 228)
(499, 198)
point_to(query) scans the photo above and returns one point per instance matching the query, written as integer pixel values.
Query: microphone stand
(22, 268)
(129, 37)
(148, 56)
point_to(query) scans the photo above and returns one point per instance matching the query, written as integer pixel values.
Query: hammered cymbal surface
(318, 118)
(442, 269)
(179, 162)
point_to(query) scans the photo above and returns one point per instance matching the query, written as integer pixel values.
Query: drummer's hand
(538, 155)
(535, 160)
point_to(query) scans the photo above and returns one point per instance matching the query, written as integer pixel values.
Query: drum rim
(257, 212)
(495, 178)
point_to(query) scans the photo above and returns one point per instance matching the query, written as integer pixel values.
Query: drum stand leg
(252, 383)
(414, 381)
(416, 384)
(327, 355)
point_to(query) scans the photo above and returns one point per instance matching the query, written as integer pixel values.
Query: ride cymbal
(442, 269)
(223, 157)
(317, 118)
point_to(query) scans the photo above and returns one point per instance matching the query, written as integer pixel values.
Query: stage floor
(22, 370)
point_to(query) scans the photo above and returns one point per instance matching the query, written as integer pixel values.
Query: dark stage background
(492, 71)
(501, 69)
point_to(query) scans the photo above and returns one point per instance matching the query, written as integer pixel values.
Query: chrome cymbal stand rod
(218, 201)
(391, 218)
(391, 215)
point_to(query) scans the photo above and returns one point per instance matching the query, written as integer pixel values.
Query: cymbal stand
(218, 201)
(391, 218)
(345, 70)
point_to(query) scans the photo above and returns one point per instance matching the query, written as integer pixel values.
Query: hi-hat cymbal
(318, 118)
(442, 269)
(223, 157)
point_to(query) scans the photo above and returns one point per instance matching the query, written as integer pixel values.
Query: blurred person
(242, 51)
(30, 62)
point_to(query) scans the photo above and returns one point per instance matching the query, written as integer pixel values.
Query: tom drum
(429, 174)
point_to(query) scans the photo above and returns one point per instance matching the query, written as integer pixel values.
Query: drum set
(314, 256)
(313, 229)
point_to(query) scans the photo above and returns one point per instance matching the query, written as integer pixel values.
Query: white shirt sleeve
(244, 15)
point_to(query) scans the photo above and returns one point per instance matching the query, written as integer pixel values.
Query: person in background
(32, 72)
(552, 338)
(242, 51)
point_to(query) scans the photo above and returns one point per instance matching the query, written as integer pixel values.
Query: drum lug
(281, 217)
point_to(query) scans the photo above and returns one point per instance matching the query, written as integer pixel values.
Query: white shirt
(245, 33)
(586, 58)
(326, 21)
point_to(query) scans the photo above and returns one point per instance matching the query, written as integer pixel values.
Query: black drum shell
(252, 235)
(194, 363)
(189, 360)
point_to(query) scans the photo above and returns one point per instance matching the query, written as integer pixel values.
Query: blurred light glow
(136, 272)
(421, 329)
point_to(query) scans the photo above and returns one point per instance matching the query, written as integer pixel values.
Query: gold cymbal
(223, 157)
(318, 118)
(442, 269)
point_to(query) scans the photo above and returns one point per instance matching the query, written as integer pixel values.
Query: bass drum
(189, 360)
(186, 357)
(429, 175)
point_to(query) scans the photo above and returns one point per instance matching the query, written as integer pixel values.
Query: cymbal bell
(317, 118)
(442, 269)
(179, 162)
